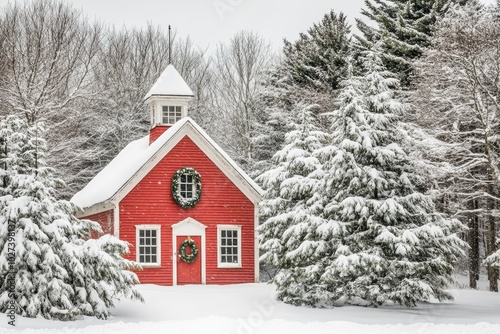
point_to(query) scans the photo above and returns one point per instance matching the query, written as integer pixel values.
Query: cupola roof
(170, 83)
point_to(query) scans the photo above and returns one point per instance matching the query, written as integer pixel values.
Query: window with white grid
(148, 244)
(229, 250)
(187, 188)
(171, 114)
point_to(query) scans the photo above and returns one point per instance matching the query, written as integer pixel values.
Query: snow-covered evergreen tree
(380, 238)
(318, 59)
(387, 241)
(59, 272)
(309, 73)
(494, 259)
(404, 27)
(291, 186)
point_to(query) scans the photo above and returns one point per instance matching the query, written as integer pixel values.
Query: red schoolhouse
(187, 209)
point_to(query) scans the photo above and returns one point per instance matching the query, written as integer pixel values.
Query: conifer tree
(379, 238)
(309, 73)
(494, 259)
(290, 190)
(389, 243)
(404, 27)
(59, 272)
(317, 59)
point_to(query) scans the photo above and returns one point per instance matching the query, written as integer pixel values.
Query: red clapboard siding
(151, 202)
(156, 132)
(105, 219)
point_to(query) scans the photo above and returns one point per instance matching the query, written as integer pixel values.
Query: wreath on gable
(194, 251)
(186, 203)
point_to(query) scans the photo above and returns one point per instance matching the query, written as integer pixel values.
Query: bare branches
(239, 66)
(457, 98)
(47, 51)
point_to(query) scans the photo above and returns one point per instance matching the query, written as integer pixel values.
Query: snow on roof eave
(178, 95)
(155, 147)
(108, 183)
(139, 160)
(170, 133)
(233, 164)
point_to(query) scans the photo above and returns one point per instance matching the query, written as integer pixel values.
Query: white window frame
(168, 116)
(194, 188)
(220, 228)
(157, 228)
(153, 116)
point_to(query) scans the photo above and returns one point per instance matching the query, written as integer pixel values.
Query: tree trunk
(474, 245)
(491, 241)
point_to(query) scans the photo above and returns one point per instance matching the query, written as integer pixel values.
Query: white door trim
(189, 227)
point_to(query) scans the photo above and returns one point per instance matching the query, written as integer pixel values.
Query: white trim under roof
(113, 190)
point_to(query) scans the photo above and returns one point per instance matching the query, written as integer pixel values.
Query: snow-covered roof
(170, 82)
(139, 156)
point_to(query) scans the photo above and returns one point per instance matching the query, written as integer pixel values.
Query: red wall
(156, 132)
(105, 219)
(151, 202)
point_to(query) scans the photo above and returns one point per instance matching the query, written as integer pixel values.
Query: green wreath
(183, 202)
(194, 251)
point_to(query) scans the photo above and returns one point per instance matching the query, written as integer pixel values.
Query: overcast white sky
(211, 21)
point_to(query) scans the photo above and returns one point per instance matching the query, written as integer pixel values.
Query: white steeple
(168, 98)
(170, 83)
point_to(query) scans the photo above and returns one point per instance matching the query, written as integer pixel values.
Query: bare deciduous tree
(239, 67)
(457, 97)
(47, 53)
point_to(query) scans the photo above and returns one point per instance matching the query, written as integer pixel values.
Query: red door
(189, 273)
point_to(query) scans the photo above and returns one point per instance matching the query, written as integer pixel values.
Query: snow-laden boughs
(372, 234)
(457, 102)
(59, 272)
(308, 74)
(494, 259)
(404, 27)
(291, 187)
(386, 242)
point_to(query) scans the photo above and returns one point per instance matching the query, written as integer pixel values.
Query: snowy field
(251, 308)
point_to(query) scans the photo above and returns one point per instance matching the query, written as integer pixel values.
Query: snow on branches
(59, 272)
(364, 232)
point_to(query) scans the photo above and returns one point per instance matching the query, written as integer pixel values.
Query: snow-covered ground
(251, 308)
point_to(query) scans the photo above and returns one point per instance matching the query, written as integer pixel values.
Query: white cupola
(167, 101)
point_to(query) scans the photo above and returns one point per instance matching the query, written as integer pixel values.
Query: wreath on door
(188, 258)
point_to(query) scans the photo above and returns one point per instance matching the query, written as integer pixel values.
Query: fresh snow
(252, 308)
(134, 157)
(170, 82)
(112, 177)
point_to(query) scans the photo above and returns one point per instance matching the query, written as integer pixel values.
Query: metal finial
(169, 46)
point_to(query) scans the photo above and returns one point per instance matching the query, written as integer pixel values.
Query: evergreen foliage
(456, 98)
(494, 259)
(370, 234)
(290, 192)
(404, 27)
(318, 59)
(309, 74)
(59, 272)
